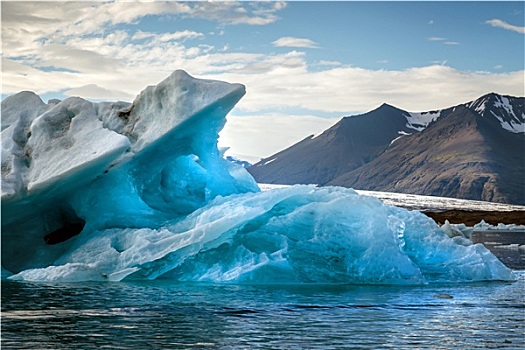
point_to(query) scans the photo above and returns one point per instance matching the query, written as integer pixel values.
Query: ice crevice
(119, 191)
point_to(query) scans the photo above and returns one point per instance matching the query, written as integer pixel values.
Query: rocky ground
(470, 218)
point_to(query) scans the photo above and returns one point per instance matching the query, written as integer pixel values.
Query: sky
(304, 64)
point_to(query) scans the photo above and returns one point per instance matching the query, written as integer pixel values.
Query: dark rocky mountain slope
(461, 156)
(349, 144)
(471, 151)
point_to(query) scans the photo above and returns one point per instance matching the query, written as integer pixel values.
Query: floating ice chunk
(63, 273)
(451, 230)
(159, 201)
(483, 226)
(300, 234)
(111, 164)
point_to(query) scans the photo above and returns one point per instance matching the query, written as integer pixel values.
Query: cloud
(444, 40)
(93, 91)
(293, 61)
(274, 81)
(245, 134)
(181, 35)
(90, 41)
(77, 59)
(35, 23)
(232, 13)
(27, 25)
(289, 41)
(350, 89)
(329, 63)
(17, 77)
(502, 24)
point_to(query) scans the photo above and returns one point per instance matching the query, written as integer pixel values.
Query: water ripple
(197, 316)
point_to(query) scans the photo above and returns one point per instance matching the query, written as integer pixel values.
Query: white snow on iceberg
(118, 191)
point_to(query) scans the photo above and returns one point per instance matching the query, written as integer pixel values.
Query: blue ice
(159, 202)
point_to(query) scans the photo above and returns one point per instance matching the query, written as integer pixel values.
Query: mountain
(349, 144)
(472, 151)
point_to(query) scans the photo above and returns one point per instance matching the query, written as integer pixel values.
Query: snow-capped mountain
(510, 111)
(474, 151)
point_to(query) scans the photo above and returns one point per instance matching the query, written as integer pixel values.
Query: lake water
(166, 315)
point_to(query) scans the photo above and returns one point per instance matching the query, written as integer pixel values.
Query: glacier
(140, 191)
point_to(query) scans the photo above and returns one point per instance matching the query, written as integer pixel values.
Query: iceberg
(140, 191)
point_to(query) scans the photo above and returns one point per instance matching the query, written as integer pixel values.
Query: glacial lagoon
(168, 315)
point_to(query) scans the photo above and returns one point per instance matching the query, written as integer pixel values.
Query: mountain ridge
(475, 150)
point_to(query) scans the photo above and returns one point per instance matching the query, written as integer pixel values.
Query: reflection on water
(173, 316)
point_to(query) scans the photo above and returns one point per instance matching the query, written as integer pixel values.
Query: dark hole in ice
(68, 230)
(125, 114)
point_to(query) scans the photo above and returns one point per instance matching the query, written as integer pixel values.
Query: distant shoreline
(456, 211)
(473, 217)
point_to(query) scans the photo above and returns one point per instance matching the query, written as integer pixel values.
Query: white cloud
(37, 21)
(502, 24)
(348, 89)
(93, 91)
(25, 25)
(181, 35)
(444, 40)
(234, 12)
(289, 41)
(77, 59)
(82, 39)
(441, 63)
(329, 63)
(272, 81)
(263, 135)
(18, 77)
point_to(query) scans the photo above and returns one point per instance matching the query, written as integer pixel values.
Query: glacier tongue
(115, 191)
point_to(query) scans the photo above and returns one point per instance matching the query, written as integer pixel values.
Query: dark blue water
(163, 315)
